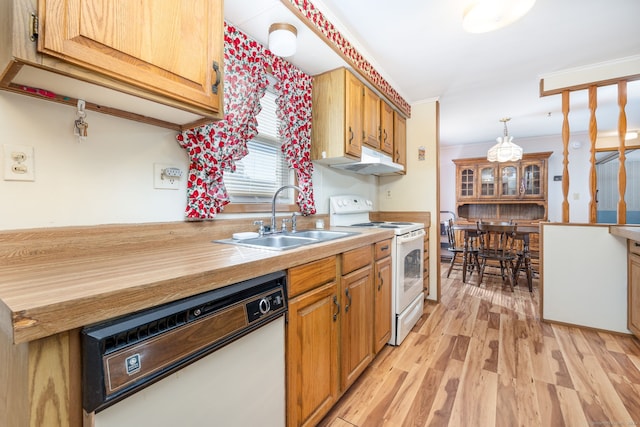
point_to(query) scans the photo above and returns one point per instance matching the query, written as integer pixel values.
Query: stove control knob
(264, 306)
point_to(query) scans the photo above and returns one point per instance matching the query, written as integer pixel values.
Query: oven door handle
(410, 238)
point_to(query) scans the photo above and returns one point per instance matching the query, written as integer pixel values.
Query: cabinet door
(400, 140)
(466, 182)
(382, 301)
(531, 181)
(353, 120)
(172, 48)
(371, 118)
(487, 181)
(356, 331)
(386, 123)
(508, 178)
(634, 294)
(312, 355)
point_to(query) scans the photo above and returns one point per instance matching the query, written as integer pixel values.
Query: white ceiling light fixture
(505, 150)
(282, 39)
(482, 16)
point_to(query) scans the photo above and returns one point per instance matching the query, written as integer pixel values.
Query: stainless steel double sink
(289, 240)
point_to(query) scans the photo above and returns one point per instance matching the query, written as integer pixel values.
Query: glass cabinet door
(488, 181)
(531, 183)
(508, 181)
(467, 183)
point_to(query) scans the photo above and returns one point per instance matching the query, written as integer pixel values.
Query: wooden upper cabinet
(400, 140)
(386, 126)
(172, 48)
(371, 118)
(347, 114)
(505, 191)
(336, 116)
(353, 116)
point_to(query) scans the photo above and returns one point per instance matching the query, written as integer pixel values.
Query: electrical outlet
(166, 176)
(388, 194)
(18, 163)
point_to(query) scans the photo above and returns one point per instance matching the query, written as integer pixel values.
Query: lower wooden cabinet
(356, 350)
(382, 295)
(312, 343)
(634, 288)
(339, 317)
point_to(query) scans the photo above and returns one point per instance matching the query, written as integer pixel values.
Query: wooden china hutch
(502, 191)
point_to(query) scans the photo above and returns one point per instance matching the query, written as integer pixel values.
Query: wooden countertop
(627, 231)
(41, 295)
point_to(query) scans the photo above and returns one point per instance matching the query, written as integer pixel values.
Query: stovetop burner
(353, 211)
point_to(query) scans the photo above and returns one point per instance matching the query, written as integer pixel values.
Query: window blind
(261, 172)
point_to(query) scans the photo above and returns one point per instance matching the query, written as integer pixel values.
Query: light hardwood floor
(482, 357)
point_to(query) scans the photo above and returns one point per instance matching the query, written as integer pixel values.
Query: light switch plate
(18, 162)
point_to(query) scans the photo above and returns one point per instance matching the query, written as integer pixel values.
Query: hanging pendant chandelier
(504, 150)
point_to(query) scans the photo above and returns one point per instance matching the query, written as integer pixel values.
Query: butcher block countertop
(58, 279)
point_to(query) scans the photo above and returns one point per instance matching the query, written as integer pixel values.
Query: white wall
(418, 189)
(108, 178)
(579, 165)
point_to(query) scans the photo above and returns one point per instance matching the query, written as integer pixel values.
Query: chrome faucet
(274, 228)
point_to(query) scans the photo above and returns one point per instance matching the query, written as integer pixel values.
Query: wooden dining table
(523, 234)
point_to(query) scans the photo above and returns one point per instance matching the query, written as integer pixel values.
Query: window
(261, 172)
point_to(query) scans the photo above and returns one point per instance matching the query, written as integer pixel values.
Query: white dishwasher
(216, 359)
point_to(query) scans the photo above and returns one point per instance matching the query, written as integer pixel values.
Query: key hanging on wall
(80, 125)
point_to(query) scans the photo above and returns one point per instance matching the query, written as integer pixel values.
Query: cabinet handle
(335, 313)
(216, 68)
(350, 135)
(346, 307)
(380, 282)
(385, 135)
(384, 248)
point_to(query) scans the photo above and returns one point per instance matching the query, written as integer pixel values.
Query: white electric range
(407, 250)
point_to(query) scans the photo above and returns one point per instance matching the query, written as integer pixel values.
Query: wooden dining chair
(496, 250)
(523, 259)
(463, 248)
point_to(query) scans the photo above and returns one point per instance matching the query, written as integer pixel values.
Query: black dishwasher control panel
(267, 305)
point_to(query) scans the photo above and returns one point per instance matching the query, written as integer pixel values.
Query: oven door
(409, 269)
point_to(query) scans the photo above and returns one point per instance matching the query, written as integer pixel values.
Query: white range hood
(372, 163)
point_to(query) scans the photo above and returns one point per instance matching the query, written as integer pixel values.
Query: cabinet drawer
(634, 247)
(356, 259)
(382, 249)
(312, 275)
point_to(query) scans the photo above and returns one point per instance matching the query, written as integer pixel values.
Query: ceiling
(419, 47)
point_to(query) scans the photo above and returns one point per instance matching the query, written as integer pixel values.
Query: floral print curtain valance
(214, 148)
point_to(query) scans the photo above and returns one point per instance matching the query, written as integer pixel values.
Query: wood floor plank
(549, 405)
(482, 357)
(445, 395)
(422, 403)
(477, 395)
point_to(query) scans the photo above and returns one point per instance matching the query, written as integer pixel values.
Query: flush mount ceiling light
(482, 16)
(505, 150)
(282, 39)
